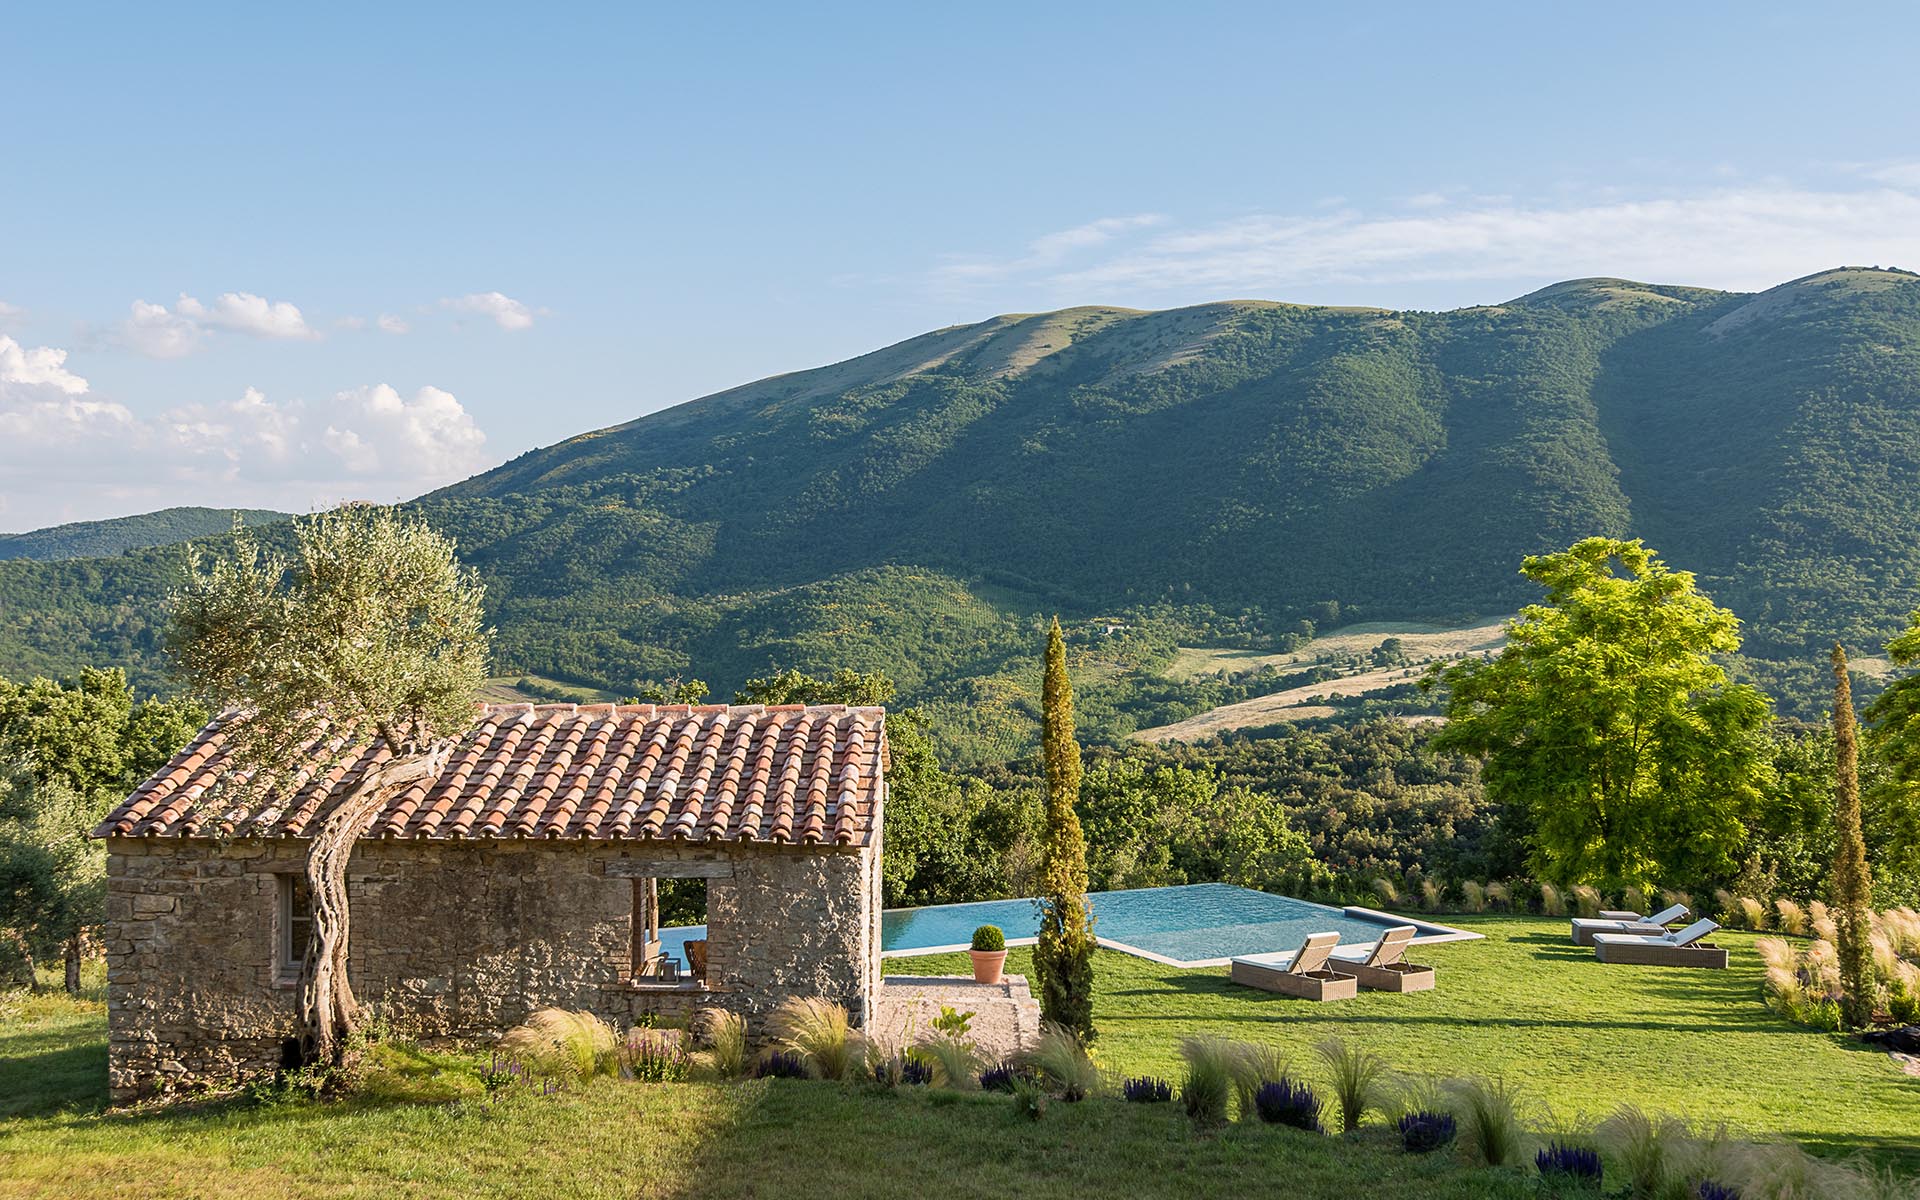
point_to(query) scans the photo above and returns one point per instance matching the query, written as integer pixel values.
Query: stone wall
(460, 939)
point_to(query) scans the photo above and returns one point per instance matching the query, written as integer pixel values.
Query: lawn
(1578, 1037)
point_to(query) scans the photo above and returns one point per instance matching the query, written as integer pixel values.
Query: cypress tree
(1063, 956)
(1852, 880)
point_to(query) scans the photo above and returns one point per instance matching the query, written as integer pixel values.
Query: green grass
(425, 1131)
(54, 1051)
(1578, 1038)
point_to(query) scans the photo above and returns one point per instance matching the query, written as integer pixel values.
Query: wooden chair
(1385, 969)
(1682, 948)
(1305, 975)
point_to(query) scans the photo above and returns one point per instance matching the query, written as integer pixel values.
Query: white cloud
(42, 366)
(1900, 175)
(1740, 237)
(244, 312)
(1049, 249)
(504, 311)
(157, 333)
(369, 433)
(385, 323)
(67, 455)
(10, 313)
(45, 411)
(160, 332)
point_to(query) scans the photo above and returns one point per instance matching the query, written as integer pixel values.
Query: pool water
(1199, 922)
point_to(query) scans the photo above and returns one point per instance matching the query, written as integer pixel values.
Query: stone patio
(1006, 1017)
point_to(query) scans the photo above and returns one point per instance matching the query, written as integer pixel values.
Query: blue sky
(281, 256)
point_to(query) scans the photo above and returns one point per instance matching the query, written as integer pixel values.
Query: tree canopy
(1610, 728)
(372, 622)
(69, 751)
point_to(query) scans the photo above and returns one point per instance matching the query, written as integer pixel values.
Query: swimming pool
(1197, 925)
(1200, 924)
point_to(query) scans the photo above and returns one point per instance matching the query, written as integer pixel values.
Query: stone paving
(1006, 1017)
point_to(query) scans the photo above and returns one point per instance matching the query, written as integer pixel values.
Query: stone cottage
(526, 874)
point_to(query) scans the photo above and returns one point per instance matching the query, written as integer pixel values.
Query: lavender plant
(1563, 1164)
(1284, 1102)
(1425, 1132)
(782, 1064)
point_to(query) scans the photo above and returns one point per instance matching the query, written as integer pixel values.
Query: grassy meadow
(1578, 1038)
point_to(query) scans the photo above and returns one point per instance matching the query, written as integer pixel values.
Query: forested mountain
(1222, 472)
(103, 539)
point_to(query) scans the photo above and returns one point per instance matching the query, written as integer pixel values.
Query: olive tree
(70, 749)
(367, 645)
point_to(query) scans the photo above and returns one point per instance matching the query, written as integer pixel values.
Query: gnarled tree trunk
(74, 951)
(328, 1011)
(24, 966)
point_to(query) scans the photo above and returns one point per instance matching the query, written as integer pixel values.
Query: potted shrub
(989, 953)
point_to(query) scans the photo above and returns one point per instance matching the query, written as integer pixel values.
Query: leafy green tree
(1891, 806)
(1609, 725)
(1063, 955)
(1852, 879)
(373, 627)
(69, 751)
(674, 691)
(1163, 825)
(1795, 834)
(52, 874)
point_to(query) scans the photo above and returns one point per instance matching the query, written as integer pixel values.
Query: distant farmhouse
(525, 875)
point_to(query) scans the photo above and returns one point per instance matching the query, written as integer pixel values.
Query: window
(295, 923)
(669, 934)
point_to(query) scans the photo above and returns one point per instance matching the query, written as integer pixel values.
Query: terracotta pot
(987, 965)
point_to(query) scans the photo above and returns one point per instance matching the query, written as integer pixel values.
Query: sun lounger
(1585, 927)
(1384, 968)
(1681, 948)
(1305, 974)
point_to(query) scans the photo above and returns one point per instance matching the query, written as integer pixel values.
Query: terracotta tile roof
(784, 774)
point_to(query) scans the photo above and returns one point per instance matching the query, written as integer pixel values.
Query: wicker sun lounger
(1682, 948)
(1306, 974)
(1384, 968)
(1585, 927)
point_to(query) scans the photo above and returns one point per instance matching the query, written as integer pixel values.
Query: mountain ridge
(136, 531)
(1232, 470)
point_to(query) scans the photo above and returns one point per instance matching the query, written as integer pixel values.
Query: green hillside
(1215, 475)
(103, 539)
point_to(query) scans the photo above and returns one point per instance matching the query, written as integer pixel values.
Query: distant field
(1871, 667)
(1420, 643)
(1290, 705)
(504, 689)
